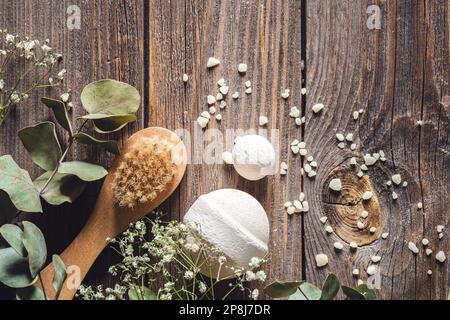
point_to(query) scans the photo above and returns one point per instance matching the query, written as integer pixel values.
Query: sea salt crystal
(428, 252)
(221, 82)
(323, 220)
(336, 185)
(242, 68)
(413, 247)
(263, 121)
(364, 214)
(355, 272)
(353, 245)
(338, 246)
(212, 62)
(360, 225)
(321, 260)
(349, 137)
(185, 78)
(425, 242)
(340, 137)
(440, 256)
(385, 235)
(394, 195)
(235, 95)
(376, 259)
(329, 229)
(367, 195)
(397, 179)
(211, 100)
(318, 108)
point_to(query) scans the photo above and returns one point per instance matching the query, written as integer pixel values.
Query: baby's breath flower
(222, 260)
(65, 97)
(261, 276)
(62, 74)
(255, 262)
(255, 294)
(250, 276)
(10, 38)
(189, 275)
(2, 84)
(202, 287)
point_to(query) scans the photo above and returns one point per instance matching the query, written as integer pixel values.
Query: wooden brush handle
(81, 254)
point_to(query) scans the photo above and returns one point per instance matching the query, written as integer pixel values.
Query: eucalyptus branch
(61, 160)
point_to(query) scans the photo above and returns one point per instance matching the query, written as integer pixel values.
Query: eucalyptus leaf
(110, 123)
(369, 294)
(60, 111)
(31, 293)
(138, 293)
(110, 145)
(34, 243)
(63, 188)
(307, 291)
(110, 97)
(7, 209)
(17, 183)
(13, 235)
(85, 171)
(42, 145)
(60, 275)
(280, 289)
(14, 271)
(352, 294)
(330, 288)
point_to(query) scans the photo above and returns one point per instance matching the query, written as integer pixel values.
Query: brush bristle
(144, 172)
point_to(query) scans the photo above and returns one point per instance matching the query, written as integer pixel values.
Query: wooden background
(398, 74)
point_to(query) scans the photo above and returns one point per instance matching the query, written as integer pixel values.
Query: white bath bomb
(254, 157)
(234, 222)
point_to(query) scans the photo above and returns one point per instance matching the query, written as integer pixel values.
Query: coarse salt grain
(341, 145)
(211, 100)
(413, 248)
(263, 121)
(221, 82)
(285, 95)
(235, 95)
(219, 97)
(212, 62)
(224, 90)
(318, 108)
(429, 272)
(329, 229)
(336, 185)
(364, 214)
(355, 272)
(212, 110)
(295, 112)
(219, 117)
(249, 91)
(385, 235)
(367, 195)
(376, 259)
(360, 225)
(394, 195)
(373, 230)
(356, 115)
(420, 206)
(340, 137)
(338, 246)
(353, 245)
(321, 260)
(248, 84)
(428, 252)
(440, 228)
(323, 220)
(242, 68)
(425, 242)
(185, 78)
(203, 122)
(223, 104)
(349, 137)
(440, 257)
(397, 179)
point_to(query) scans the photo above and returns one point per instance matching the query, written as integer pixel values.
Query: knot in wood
(345, 209)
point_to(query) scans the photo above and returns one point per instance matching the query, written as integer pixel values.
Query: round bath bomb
(254, 157)
(234, 222)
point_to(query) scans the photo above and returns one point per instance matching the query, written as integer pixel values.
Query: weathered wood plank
(266, 35)
(110, 44)
(398, 75)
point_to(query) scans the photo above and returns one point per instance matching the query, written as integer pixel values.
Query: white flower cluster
(40, 62)
(176, 255)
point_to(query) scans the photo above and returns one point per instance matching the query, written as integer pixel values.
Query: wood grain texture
(266, 35)
(108, 45)
(398, 75)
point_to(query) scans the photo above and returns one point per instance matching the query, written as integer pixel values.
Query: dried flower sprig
(176, 257)
(40, 62)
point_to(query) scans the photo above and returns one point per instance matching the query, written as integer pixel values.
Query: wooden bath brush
(149, 169)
